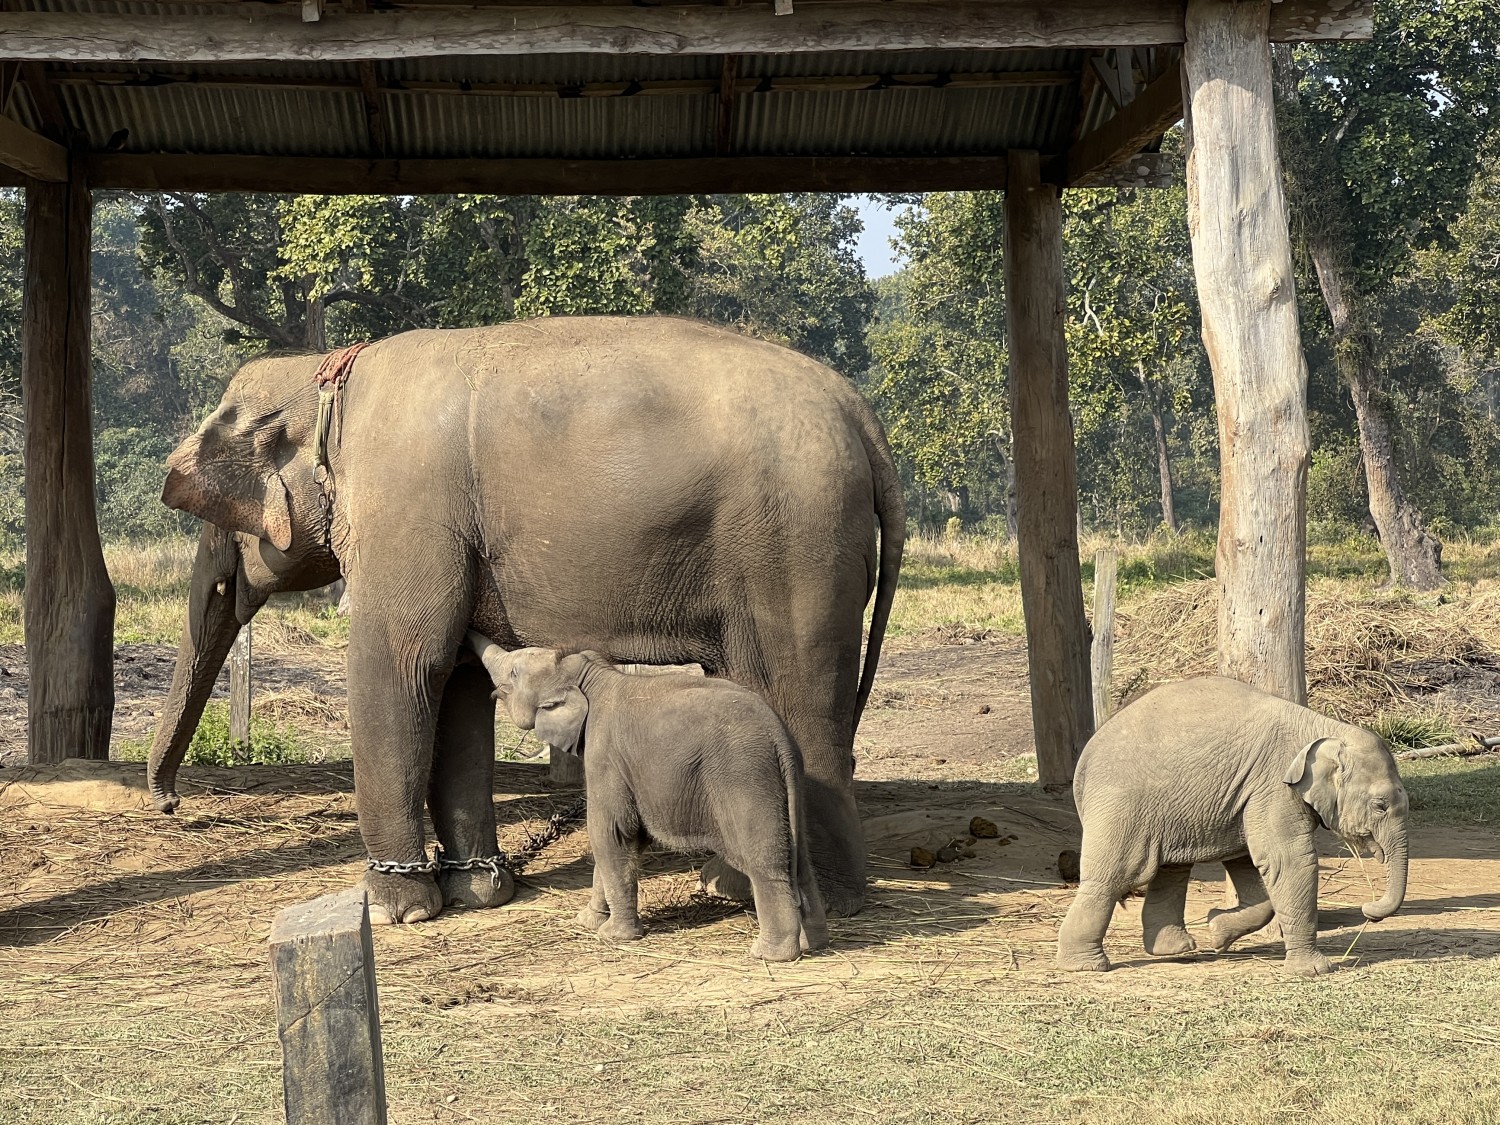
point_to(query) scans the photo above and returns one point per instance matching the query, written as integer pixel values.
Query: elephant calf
(1213, 770)
(692, 763)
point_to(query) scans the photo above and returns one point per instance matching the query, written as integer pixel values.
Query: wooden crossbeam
(678, 176)
(1155, 110)
(271, 33)
(32, 154)
(137, 78)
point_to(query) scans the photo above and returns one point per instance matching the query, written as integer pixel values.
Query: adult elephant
(656, 489)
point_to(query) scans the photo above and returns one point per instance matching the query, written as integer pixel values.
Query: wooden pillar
(240, 686)
(1242, 257)
(1057, 635)
(69, 601)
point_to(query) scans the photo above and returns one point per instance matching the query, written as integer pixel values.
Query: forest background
(1392, 155)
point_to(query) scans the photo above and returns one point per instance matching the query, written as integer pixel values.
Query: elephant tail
(890, 511)
(790, 759)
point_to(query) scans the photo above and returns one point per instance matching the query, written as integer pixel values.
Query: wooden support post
(327, 1013)
(1106, 568)
(69, 601)
(240, 687)
(1057, 644)
(1242, 257)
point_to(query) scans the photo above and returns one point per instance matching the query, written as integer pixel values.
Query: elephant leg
(596, 913)
(461, 797)
(399, 662)
(1080, 940)
(779, 914)
(1225, 927)
(617, 856)
(1290, 870)
(1162, 915)
(810, 676)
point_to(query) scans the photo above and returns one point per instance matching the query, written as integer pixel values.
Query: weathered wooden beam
(1151, 113)
(1057, 635)
(328, 1013)
(69, 601)
(1143, 170)
(724, 122)
(270, 33)
(241, 676)
(369, 92)
(687, 175)
(32, 154)
(1242, 257)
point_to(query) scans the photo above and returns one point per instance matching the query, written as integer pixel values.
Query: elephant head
(1353, 785)
(543, 691)
(248, 474)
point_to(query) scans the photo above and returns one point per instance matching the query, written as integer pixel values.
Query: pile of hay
(1368, 653)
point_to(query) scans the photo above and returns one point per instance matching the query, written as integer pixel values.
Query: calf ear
(1316, 772)
(561, 727)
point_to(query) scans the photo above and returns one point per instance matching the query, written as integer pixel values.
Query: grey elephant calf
(1213, 770)
(692, 763)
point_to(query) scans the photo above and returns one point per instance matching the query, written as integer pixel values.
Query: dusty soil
(145, 934)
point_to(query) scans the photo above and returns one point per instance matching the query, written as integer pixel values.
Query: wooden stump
(1242, 257)
(327, 1013)
(1057, 636)
(69, 601)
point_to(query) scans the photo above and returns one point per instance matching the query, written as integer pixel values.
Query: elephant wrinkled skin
(687, 762)
(656, 489)
(1213, 770)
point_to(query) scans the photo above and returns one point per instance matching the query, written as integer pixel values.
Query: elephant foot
(1225, 927)
(1308, 965)
(616, 930)
(1170, 941)
(401, 898)
(1083, 962)
(591, 919)
(722, 881)
(476, 890)
(166, 802)
(813, 939)
(781, 949)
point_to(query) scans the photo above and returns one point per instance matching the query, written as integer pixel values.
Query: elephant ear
(1315, 772)
(561, 716)
(226, 476)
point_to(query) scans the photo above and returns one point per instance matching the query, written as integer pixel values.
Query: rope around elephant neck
(558, 824)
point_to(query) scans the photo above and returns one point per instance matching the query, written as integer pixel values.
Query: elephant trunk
(207, 635)
(1394, 847)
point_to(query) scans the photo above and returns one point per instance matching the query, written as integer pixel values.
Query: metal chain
(515, 862)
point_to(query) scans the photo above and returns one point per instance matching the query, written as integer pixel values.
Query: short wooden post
(564, 768)
(327, 1014)
(1057, 645)
(1242, 257)
(239, 687)
(69, 600)
(1106, 567)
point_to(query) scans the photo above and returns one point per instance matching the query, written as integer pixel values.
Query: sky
(874, 244)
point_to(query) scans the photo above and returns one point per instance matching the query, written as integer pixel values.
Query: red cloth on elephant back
(337, 364)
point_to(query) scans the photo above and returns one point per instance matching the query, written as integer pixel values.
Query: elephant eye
(550, 705)
(1380, 803)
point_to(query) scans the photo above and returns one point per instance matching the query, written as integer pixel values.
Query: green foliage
(129, 467)
(270, 743)
(1413, 729)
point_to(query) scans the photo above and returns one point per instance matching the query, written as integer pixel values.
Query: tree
(1379, 143)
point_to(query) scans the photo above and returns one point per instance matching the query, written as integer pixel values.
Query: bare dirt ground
(134, 984)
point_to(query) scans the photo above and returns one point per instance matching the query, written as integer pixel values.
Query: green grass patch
(1458, 791)
(1412, 730)
(271, 744)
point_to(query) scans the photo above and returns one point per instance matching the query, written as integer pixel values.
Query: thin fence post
(327, 1012)
(1106, 567)
(239, 688)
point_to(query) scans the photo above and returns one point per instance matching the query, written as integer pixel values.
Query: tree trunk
(1057, 634)
(1242, 258)
(1414, 556)
(69, 601)
(1163, 455)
